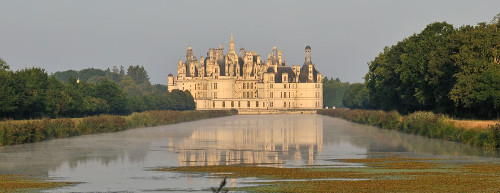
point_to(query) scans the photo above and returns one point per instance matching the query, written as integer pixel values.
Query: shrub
(101, 124)
(17, 132)
(421, 123)
(493, 139)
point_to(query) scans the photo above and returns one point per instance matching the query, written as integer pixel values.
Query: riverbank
(31, 131)
(422, 123)
(380, 174)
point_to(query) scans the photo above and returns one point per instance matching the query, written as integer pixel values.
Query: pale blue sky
(344, 35)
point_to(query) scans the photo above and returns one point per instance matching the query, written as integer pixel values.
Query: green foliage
(356, 97)
(333, 92)
(101, 124)
(421, 123)
(8, 96)
(3, 65)
(30, 131)
(32, 93)
(441, 69)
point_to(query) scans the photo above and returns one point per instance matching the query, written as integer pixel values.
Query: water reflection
(122, 161)
(259, 140)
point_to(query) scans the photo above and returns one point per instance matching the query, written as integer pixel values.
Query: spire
(231, 43)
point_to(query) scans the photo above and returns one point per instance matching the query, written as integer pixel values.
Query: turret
(170, 81)
(308, 55)
(189, 54)
(231, 44)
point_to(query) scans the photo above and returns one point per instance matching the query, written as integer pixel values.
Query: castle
(245, 81)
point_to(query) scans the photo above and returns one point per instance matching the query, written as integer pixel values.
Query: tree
(333, 92)
(8, 95)
(356, 97)
(113, 95)
(3, 65)
(31, 85)
(478, 79)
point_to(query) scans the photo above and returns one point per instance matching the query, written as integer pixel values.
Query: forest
(33, 93)
(443, 69)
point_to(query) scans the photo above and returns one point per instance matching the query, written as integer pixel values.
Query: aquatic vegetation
(30, 131)
(17, 183)
(422, 123)
(388, 174)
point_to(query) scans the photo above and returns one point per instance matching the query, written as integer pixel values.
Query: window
(284, 104)
(251, 85)
(239, 104)
(271, 104)
(284, 86)
(232, 103)
(248, 103)
(215, 85)
(281, 94)
(213, 104)
(284, 95)
(271, 86)
(289, 96)
(215, 95)
(289, 104)
(256, 103)
(244, 86)
(223, 103)
(271, 95)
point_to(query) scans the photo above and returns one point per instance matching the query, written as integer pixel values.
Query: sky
(344, 35)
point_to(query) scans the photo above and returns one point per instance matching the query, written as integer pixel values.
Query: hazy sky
(344, 35)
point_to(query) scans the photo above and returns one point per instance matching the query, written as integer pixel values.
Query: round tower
(170, 82)
(189, 53)
(308, 55)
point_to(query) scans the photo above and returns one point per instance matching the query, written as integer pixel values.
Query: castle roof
(284, 69)
(304, 73)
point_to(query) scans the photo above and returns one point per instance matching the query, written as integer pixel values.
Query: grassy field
(389, 174)
(479, 125)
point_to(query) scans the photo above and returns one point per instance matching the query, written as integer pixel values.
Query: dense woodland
(32, 93)
(443, 69)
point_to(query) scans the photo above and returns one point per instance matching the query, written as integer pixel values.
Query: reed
(31, 131)
(422, 123)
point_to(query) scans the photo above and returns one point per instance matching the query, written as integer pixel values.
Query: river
(125, 161)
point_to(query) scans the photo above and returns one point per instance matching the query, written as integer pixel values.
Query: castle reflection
(268, 141)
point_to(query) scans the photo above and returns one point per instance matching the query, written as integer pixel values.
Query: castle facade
(245, 81)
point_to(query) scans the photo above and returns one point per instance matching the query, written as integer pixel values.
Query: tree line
(32, 93)
(443, 69)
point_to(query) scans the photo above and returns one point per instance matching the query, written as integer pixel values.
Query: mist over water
(124, 161)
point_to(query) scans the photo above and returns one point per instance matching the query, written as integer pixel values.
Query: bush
(421, 123)
(30, 131)
(101, 124)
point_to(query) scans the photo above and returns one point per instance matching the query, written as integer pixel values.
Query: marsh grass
(30, 131)
(18, 183)
(388, 174)
(423, 123)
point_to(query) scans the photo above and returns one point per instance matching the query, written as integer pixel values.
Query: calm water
(124, 161)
